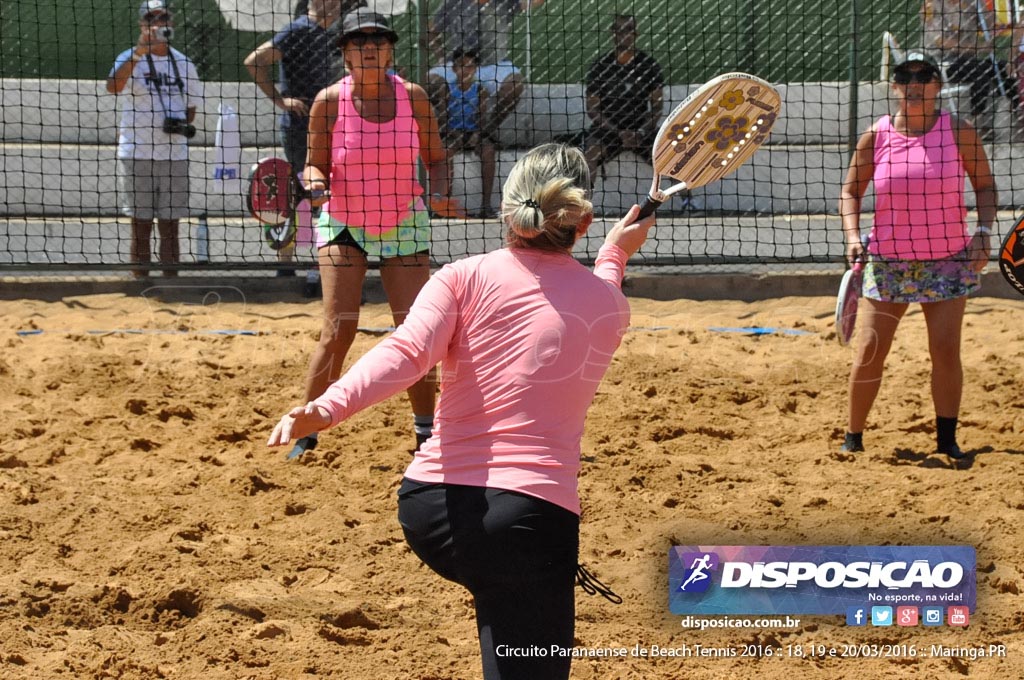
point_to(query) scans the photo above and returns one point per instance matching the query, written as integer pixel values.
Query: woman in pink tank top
(366, 135)
(919, 248)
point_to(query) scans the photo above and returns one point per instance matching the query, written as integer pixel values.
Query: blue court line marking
(759, 330)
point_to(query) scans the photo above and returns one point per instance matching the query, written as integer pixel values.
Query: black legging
(517, 555)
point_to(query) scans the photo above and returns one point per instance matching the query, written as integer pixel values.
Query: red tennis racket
(274, 193)
(712, 133)
(847, 300)
(1011, 257)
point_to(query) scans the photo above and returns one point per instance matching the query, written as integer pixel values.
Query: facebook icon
(856, 616)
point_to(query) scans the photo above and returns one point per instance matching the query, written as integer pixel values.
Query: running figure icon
(698, 570)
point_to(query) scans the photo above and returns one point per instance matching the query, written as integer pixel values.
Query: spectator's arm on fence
(260, 64)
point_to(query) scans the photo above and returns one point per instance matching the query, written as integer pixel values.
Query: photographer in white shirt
(159, 86)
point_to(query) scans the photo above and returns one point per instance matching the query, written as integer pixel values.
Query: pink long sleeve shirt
(523, 338)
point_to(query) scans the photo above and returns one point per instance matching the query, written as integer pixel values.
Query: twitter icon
(881, 616)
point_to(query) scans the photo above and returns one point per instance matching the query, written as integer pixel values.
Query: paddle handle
(648, 208)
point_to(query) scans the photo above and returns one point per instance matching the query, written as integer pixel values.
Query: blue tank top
(464, 108)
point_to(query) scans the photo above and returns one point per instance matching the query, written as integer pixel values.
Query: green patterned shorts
(411, 236)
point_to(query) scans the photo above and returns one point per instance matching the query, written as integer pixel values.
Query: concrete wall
(59, 159)
(81, 112)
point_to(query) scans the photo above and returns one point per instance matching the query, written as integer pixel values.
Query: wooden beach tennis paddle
(1011, 257)
(713, 132)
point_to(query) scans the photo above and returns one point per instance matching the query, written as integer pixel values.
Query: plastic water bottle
(202, 240)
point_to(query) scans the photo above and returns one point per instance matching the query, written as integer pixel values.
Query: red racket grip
(648, 208)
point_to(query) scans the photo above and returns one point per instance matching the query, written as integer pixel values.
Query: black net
(553, 71)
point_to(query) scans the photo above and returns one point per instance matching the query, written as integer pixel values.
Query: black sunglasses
(906, 77)
(360, 39)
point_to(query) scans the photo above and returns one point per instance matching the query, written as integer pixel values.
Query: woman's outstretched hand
(629, 234)
(299, 422)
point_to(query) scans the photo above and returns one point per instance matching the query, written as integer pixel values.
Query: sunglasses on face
(907, 77)
(377, 39)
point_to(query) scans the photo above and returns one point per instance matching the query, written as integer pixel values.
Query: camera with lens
(163, 34)
(179, 126)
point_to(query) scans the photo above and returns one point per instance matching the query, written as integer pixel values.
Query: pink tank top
(373, 165)
(920, 212)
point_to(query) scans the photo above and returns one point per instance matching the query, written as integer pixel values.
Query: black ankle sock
(854, 441)
(945, 432)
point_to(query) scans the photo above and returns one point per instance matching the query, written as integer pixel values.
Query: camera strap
(156, 75)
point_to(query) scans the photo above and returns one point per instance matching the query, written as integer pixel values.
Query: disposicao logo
(818, 579)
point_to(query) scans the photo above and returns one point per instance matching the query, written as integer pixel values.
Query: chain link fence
(597, 74)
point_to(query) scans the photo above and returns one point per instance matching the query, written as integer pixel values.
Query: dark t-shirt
(625, 89)
(307, 51)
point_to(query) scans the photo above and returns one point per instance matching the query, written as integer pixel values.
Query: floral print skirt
(906, 281)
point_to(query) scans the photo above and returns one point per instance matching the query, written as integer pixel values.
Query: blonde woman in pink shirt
(366, 136)
(523, 335)
(919, 248)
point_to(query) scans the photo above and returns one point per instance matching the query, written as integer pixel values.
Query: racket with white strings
(847, 300)
(1011, 257)
(274, 194)
(712, 133)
